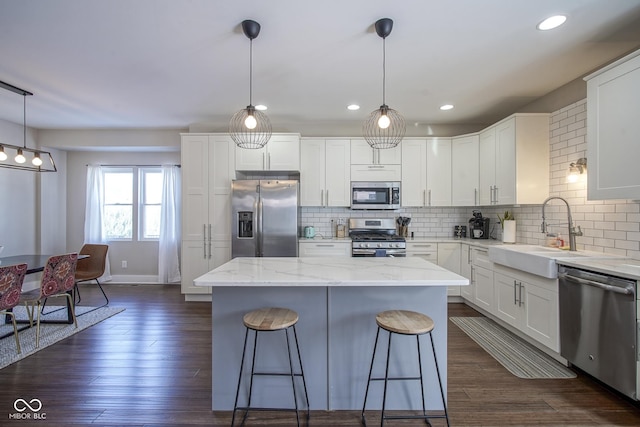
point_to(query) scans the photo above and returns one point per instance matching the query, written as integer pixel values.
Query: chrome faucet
(572, 229)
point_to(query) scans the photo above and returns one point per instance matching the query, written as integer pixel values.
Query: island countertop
(332, 271)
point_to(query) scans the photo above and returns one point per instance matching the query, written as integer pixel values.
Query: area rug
(49, 333)
(518, 356)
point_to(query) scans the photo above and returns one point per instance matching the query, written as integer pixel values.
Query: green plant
(508, 216)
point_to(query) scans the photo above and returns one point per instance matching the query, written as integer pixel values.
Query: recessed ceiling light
(353, 107)
(552, 22)
(261, 107)
(446, 107)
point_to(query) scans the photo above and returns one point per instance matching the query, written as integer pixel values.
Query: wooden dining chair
(11, 279)
(92, 268)
(58, 280)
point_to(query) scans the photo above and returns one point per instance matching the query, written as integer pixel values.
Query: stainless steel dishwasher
(598, 326)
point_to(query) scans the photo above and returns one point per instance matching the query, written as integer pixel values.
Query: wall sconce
(22, 157)
(576, 169)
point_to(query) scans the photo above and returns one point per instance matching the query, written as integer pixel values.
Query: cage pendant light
(385, 127)
(250, 128)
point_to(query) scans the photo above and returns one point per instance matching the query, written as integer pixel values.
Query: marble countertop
(330, 271)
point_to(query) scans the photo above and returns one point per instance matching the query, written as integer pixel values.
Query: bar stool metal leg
(435, 359)
(366, 393)
(244, 350)
(304, 382)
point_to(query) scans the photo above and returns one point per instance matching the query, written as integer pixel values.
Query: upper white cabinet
(465, 170)
(514, 161)
(426, 172)
(325, 172)
(613, 103)
(282, 153)
(207, 171)
(363, 154)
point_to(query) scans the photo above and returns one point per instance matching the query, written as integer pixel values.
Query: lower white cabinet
(530, 304)
(445, 255)
(324, 249)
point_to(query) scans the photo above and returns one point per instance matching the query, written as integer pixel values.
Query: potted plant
(508, 223)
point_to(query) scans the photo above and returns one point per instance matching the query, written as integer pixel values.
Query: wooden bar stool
(270, 320)
(405, 323)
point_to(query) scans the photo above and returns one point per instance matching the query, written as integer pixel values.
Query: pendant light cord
(24, 121)
(251, 72)
(384, 70)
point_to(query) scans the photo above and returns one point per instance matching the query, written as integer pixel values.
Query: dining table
(35, 264)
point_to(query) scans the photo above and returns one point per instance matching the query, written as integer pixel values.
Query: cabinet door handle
(204, 241)
(422, 245)
(327, 198)
(319, 245)
(520, 303)
(515, 293)
(210, 241)
(429, 197)
(321, 197)
(495, 194)
(268, 161)
(424, 197)
(475, 196)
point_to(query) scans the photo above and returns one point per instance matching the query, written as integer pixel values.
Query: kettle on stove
(478, 226)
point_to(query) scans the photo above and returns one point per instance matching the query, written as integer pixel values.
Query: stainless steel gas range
(375, 237)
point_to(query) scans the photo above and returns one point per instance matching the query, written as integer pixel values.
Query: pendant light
(41, 161)
(250, 128)
(385, 127)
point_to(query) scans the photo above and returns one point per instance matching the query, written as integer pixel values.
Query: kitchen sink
(534, 259)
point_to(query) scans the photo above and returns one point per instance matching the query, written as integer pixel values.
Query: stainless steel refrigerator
(265, 215)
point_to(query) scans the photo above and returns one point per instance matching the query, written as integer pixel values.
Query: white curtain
(93, 226)
(168, 264)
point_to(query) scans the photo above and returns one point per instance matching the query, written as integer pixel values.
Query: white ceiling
(175, 64)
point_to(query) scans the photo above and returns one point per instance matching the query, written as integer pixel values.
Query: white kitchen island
(337, 300)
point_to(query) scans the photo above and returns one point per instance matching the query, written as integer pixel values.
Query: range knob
(379, 245)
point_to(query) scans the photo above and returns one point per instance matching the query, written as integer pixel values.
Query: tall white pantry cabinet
(208, 166)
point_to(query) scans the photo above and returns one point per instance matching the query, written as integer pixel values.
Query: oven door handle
(616, 289)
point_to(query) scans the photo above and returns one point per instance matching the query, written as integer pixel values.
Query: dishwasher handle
(628, 290)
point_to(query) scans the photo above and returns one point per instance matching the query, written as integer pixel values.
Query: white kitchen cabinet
(468, 291)
(487, 166)
(282, 153)
(480, 290)
(530, 304)
(425, 250)
(207, 170)
(363, 154)
(514, 161)
(465, 170)
(313, 248)
(449, 257)
(426, 172)
(613, 103)
(325, 172)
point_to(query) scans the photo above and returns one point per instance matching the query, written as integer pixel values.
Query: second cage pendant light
(385, 127)
(250, 128)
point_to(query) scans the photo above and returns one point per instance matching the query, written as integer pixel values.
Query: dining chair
(92, 268)
(58, 280)
(11, 279)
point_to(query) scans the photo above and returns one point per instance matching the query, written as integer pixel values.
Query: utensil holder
(403, 230)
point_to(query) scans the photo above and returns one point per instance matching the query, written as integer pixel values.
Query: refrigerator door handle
(260, 228)
(209, 241)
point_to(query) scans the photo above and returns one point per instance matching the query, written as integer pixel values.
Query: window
(132, 202)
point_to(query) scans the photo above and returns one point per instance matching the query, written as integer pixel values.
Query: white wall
(18, 204)
(141, 257)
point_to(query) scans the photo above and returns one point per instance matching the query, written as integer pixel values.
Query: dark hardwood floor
(151, 366)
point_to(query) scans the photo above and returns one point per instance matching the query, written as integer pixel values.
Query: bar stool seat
(404, 322)
(271, 319)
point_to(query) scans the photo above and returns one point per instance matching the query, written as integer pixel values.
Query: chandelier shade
(250, 128)
(385, 127)
(21, 157)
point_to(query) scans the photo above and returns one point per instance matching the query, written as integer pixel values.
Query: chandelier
(385, 127)
(249, 127)
(15, 156)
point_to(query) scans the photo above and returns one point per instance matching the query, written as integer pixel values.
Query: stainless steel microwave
(375, 195)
